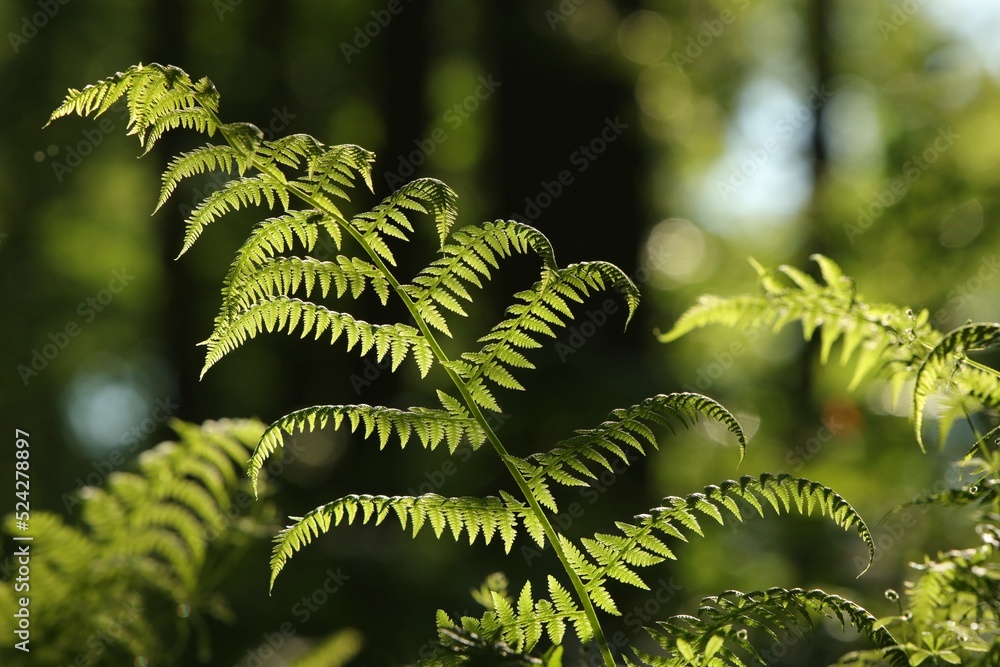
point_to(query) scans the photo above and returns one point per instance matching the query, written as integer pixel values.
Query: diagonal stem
(442, 357)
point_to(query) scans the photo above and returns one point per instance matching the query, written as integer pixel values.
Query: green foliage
(718, 635)
(952, 611)
(132, 576)
(893, 340)
(268, 289)
(626, 428)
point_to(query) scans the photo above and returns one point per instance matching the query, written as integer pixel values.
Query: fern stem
(442, 357)
(522, 483)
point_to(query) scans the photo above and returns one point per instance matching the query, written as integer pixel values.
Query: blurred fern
(271, 289)
(892, 340)
(952, 610)
(133, 577)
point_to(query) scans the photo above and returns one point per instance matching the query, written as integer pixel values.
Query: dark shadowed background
(675, 139)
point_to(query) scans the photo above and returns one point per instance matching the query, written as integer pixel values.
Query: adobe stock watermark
(912, 170)
(455, 115)
(580, 333)
(887, 537)
(784, 129)
(32, 24)
(562, 12)
(112, 633)
(901, 14)
(802, 454)
(364, 34)
(711, 30)
(87, 310)
(581, 159)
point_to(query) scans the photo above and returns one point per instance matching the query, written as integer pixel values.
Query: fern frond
(977, 493)
(776, 612)
(624, 430)
(96, 98)
(880, 336)
(431, 427)
(543, 307)
(207, 158)
(292, 151)
(488, 516)
(522, 624)
(236, 194)
(287, 314)
(285, 276)
(424, 195)
(947, 360)
(268, 238)
(959, 586)
(334, 167)
(893, 340)
(641, 545)
(159, 98)
(476, 248)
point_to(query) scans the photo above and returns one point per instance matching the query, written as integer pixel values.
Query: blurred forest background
(675, 139)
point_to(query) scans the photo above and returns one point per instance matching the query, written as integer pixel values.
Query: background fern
(892, 340)
(950, 616)
(134, 575)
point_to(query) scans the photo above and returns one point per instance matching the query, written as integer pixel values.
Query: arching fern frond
(977, 493)
(719, 631)
(488, 516)
(285, 276)
(894, 340)
(424, 195)
(641, 544)
(947, 360)
(543, 307)
(262, 292)
(234, 195)
(288, 314)
(881, 336)
(210, 157)
(330, 169)
(625, 429)
(158, 97)
(476, 248)
(431, 427)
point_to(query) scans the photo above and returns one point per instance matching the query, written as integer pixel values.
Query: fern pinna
(268, 288)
